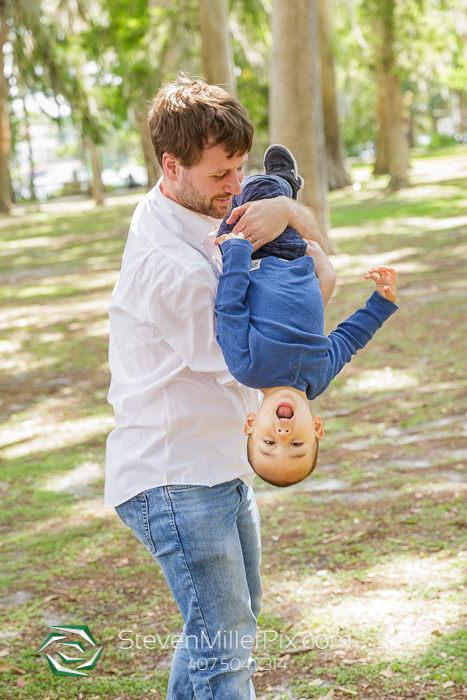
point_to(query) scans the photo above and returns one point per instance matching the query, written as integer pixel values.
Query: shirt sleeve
(354, 333)
(232, 310)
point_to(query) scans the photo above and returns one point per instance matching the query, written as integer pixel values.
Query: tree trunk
(392, 150)
(32, 191)
(97, 185)
(5, 134)
(296, 109)
(216, 44)
(337, 172)
(460, 95)
(152, 166)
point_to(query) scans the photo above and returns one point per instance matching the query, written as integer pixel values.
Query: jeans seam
(147, 529)
(174, 524)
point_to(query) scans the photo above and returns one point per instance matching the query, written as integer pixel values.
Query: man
(177, 470)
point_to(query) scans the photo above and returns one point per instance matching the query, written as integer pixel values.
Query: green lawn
(372, 548)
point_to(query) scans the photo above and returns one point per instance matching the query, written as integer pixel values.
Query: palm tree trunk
(216, 44)
(296, 108)
(337, 172)
(152, 166)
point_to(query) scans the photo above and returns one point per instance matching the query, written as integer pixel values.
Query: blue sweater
(270, 322)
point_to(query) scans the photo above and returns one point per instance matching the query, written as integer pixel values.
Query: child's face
(283, 437)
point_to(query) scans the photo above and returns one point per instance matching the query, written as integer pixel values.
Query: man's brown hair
(189, 115)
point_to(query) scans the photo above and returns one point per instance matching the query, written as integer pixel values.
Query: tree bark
(296, 108)
(337, 172)
(152, 166)
(32, 191)
(460, 95)
(97, 188)
(392, 150)
(5, 133)
(216, 44)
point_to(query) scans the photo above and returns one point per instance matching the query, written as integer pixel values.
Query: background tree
(5, 136)
(392, 150)
(337, 172)
(132, 42)
(296, 109)
(216, 44)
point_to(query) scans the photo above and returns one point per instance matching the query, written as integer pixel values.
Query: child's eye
(297, 444)
(269, 442)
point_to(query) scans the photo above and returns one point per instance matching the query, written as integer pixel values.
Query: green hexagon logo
(61, 633)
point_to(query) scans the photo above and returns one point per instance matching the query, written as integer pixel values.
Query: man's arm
(264, 220)
(323, 269)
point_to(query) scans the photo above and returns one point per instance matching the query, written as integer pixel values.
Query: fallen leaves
(347, 690)
(328, 696)
(5, 667)
(315, 683)
(387, 673)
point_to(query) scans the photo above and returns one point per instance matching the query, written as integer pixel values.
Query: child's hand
(226, 236)
(385, 278)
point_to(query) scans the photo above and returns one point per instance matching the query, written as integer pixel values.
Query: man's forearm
(303, 221)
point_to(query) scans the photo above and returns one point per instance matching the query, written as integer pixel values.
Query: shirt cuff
(381, 306)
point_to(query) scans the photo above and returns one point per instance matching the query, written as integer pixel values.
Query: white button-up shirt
(179, 413)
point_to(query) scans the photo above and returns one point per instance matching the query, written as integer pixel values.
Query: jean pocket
(135, 515)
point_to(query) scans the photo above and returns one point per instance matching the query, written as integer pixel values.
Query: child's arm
(354, 333)
(232, 311)
(323, 269)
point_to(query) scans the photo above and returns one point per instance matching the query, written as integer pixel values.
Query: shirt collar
(196, 225)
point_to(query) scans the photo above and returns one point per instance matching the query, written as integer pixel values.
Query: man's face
(208, 186)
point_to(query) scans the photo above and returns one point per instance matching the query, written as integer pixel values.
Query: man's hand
(225, 237)
(385, 278)
(264, 220)
(324, 270)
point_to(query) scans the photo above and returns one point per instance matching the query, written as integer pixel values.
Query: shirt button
(291, 377)
(295, 365)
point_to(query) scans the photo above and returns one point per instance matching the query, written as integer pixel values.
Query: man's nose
(235, 183)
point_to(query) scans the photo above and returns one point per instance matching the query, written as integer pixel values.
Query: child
(270, 327)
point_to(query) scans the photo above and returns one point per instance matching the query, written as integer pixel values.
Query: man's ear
(171, 166)
(319, 429)
(249, 424)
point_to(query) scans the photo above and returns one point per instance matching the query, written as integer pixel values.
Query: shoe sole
(291, 155)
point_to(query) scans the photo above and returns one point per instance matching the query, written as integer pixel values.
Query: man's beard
(191, 198)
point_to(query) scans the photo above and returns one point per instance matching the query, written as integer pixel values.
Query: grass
(372, 548)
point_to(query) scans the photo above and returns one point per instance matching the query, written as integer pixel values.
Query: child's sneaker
(278, 160)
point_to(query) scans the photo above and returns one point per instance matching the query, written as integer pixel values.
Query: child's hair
(314, 460)
(289, 245)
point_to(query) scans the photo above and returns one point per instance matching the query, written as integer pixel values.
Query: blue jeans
(207, 543)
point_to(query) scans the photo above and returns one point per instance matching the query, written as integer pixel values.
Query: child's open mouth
(284, 411)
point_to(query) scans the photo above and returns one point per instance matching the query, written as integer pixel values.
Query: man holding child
(177, 470)
(177, 466)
